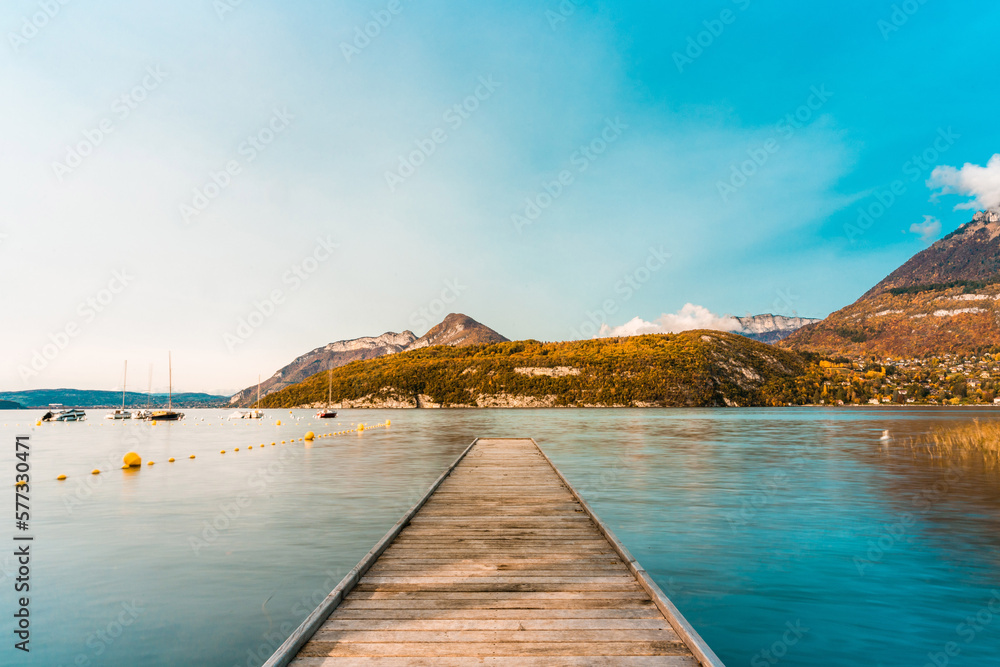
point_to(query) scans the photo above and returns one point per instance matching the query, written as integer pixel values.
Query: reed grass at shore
(969, 442)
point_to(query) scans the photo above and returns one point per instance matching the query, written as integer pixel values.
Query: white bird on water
(885, 436)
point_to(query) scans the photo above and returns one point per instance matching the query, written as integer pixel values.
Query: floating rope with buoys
(132, 460)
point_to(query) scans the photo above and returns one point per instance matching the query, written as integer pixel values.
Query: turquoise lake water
(786, 536)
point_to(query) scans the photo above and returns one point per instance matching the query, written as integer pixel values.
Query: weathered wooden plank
(492, 661)
(637, 594)
(451, 604)
(493, 624)
(350, 612)
(460, 649)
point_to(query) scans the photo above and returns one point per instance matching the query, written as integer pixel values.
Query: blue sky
(258, 169)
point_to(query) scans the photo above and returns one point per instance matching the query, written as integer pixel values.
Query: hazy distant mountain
(84, 398)
(10, 405)
(771, 328)
(456, 330)
(943, 299)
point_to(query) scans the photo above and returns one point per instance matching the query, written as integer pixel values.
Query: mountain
(10, 405)
(694, 368)
(85, 398)
(945, 299)
(770, 328)
(455, 330)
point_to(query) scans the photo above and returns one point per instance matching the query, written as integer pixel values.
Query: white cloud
(928, 230)
(980, 183)
(687, 318)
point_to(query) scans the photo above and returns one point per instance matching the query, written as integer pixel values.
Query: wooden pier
(501, 563)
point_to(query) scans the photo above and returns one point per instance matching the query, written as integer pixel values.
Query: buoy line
(132, 460)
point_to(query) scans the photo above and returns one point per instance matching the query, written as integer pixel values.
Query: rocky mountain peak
(456, 330)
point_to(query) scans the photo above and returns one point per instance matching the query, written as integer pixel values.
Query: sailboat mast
(257, 407)
(170, 382)
(149, 392)
(124, 379)
(329, 391)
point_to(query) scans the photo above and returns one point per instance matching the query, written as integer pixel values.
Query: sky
(241, 181)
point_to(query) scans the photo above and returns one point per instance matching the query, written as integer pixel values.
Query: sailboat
(328, 413)
(250, 414)
(147, 413)
(122, 413)
(168, 415)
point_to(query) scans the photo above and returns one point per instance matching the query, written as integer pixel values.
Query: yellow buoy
(277, 423)
(61, 477)
(38, 423)
(272, 443)
(223, 451)
(388, 423)
(170, 460)
(250, 447)
(282, 442)
(191, 457)
(310, 435)
(132, 459)
(95, 471)
(361, 427)
(236, 449)
(154, 422)
(151, 463)
(20, 483)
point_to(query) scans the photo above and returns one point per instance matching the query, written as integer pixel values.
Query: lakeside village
(948, 379)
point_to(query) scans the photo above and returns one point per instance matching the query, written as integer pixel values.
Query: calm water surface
(786, 536)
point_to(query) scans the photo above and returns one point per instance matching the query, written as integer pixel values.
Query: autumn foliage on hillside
(694, 368)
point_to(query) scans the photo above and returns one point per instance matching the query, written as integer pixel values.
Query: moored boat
(121, 413)
(71, 415)
(168, 415)
(328, 413)
(250, 414)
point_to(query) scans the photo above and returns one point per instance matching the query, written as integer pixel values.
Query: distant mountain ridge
(455, 330)
(771, 328)
(944, 299)
(85, 398)
(693, 368)
(970, 253)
